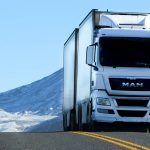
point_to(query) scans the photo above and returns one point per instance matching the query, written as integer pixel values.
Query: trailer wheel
(80, 124)
(72, 125)
(65, 122)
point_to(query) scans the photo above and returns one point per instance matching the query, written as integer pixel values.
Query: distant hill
(41, 97)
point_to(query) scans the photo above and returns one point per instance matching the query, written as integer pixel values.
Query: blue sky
(32, 33)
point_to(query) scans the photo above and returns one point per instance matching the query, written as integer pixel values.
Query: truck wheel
(148, 128)
(80, 125)
(65, 122)
(89, 118)
(90, 124)
(72, 125)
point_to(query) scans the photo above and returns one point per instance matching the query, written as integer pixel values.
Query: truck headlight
(103, 101)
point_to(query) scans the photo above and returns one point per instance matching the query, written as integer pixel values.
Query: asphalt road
(108, 137)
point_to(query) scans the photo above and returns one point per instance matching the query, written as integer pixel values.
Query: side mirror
(90, 55)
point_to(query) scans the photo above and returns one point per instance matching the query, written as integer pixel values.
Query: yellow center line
(119, 142)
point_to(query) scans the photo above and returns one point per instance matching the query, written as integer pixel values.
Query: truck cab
(121, 82)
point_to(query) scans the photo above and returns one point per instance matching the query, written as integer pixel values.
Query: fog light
(104, 111)
(103, 101)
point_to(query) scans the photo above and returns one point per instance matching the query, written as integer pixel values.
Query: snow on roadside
(53, 125)
(18, 122)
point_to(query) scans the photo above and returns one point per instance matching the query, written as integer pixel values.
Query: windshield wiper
(141, 64)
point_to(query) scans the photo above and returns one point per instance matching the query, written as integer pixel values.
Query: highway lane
(127, 144)
(51, 141)
(134, 132)
(73, 141)
(107, 137)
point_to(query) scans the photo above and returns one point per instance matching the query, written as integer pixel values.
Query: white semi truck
(107, 70)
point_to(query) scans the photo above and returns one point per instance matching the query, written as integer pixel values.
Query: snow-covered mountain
(30, 105)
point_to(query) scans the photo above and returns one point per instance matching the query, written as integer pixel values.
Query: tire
(65, 122)
(90, 123)
(72, 124)
(148, 128)
(80, 125)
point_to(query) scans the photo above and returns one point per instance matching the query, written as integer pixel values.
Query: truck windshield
(124, 51)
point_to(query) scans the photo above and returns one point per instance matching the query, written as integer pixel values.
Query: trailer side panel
(70, 48)
(84, 76)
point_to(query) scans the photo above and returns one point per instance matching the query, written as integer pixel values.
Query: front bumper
(115, 118)
(120, 113)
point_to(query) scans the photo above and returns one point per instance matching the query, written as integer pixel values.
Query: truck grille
(127, 113)
(138, 103)
(127, 84)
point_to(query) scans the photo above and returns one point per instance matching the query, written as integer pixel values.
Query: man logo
(134, 85)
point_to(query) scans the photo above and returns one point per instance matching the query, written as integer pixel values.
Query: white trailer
(107, 70)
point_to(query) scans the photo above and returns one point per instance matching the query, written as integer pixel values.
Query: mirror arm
(95, 67)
